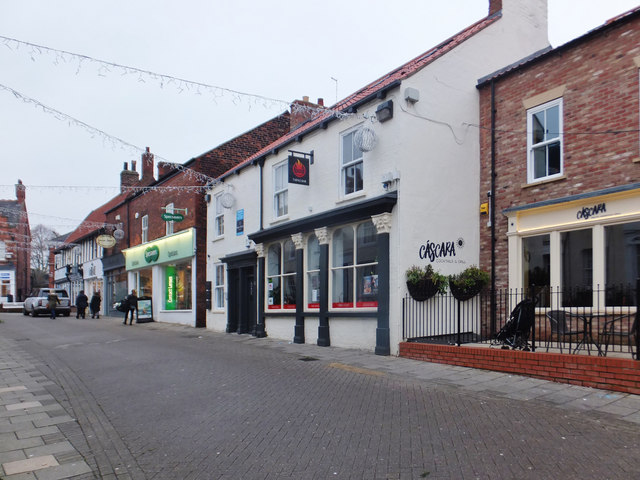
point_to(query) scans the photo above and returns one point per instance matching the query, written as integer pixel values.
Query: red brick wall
(618, 374)
(601, 95)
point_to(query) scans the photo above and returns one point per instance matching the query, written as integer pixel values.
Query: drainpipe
(261, 164)
(492, 208)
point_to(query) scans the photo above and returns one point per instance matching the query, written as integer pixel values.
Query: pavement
(41, 440)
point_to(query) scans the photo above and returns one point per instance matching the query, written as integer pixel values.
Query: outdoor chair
(620, 327)
(564, 324)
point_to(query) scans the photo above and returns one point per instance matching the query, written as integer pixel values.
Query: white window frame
(346, 164)
(145, 228)
(546, 142)
(168, 229)
(218, 286)
(280, 192)
(218, 221)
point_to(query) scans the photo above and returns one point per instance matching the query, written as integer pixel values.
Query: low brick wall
(619, 374)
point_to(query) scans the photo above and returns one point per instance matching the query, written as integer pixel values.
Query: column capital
(382, 222)
(259, 249)
(297, 240)
(323, 235)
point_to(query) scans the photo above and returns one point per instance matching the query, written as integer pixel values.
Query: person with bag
(132, 303)
(52, 303)
(82, 302)
(94, 305)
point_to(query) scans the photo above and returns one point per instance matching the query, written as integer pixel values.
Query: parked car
(37, 302)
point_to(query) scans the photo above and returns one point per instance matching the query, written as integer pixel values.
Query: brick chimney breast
(20, 191)
(303, 111)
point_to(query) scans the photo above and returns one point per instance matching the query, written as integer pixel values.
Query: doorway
(242, 300)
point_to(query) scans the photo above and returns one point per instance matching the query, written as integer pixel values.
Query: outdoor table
(587, 334)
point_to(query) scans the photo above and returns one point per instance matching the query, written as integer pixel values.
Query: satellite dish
(118, 234)
(365, 139)
(227, 200)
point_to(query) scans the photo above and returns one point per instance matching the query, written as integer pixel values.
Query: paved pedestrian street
(92, 398)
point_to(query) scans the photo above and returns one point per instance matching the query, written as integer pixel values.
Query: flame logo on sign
(299, 169)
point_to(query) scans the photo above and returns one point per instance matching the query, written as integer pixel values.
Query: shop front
(163, 274)
(7, 284)
(580, 251)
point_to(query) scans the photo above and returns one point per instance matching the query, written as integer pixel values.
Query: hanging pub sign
(106, 241)
(298, 170)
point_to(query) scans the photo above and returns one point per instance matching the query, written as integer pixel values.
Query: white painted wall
(433, 144)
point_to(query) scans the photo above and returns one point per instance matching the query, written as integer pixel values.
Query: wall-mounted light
(384, 111)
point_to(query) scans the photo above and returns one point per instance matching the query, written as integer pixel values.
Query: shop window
(144, 283)
(544, 141)
(219, 287)
(577, 268)
(281, 275)
(280, 190)
(169, 225)
(178, 287)
(219, 218)
(354, 267)
(622, 263)
(313, 272)
(352, 165)
(536, 267)
(145, 228)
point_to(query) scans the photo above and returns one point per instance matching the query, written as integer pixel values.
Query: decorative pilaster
(298, 336)
(323, 318)
(260, 328)
(383, 226)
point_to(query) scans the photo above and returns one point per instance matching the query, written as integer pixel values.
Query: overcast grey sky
(279, 49)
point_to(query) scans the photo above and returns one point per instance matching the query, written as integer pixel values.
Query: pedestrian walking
(82, 302)
(94, 305)
(52, 302)
(132, 302)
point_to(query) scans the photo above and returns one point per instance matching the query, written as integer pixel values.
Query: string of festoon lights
(181, 85)
(114, 141)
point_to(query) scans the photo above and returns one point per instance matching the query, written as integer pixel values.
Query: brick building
(565, 160)
(15, 242)
(162, 259)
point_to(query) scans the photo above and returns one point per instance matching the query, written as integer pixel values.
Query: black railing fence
(597, 321)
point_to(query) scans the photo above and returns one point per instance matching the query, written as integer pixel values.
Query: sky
(68, 124)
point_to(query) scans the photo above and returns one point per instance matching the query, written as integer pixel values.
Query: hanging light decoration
(365, 139)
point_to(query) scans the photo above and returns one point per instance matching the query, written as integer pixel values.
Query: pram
(515, 333)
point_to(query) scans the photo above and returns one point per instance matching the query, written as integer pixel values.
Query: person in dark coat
(82, 302)
(52, 303)
(132, 302)
(94, 305)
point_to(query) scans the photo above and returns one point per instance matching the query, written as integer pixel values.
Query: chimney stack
(147, 168)
(164, 168)
(128, 178)
(20, 191)
(303, 111)
(494, 6)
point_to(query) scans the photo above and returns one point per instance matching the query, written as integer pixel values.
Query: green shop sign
(167, 249)
(172, 217)
(171, 296)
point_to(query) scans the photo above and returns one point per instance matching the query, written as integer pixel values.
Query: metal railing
(600, 321)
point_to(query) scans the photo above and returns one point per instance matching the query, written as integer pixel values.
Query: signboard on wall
(298, 170)
(240, 222)
(171, 291)
(168, 249)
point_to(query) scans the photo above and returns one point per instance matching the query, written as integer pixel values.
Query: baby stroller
(515, 333)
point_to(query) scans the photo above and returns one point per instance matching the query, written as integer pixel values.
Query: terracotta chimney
(303, 111)
(494, 6)
(20, 191)
(128, 178)
(147, 168)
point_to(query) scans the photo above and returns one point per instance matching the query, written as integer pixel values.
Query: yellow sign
(484, 208)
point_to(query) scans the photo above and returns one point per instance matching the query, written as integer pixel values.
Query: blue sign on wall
(240, 222)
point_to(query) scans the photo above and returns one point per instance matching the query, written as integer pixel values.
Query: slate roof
(11, 210)
(372, 90)
(542, 54)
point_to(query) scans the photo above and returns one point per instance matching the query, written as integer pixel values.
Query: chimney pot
(133, 165)
(321, 102)
(305, 98)
(125, 166)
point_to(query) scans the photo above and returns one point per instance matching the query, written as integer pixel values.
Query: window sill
(544, 181)
(636, 160)
(352, 196)
(279, 220)
(217, 239)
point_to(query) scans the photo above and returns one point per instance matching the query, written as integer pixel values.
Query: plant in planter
(468, 283)
(424, 283)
